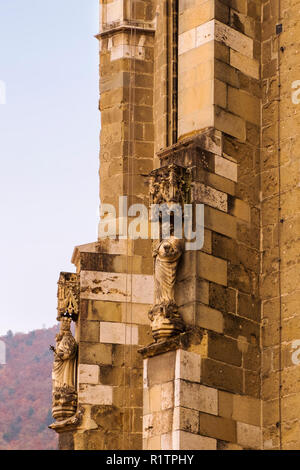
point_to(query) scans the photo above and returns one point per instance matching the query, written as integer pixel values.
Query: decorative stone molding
(171, 185)
(194, 152)
(68, 295)
(193, 336)
(126, 26)
(64, 396)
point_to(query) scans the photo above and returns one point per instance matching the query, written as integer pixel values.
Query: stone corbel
(170, 184)
(68, 424)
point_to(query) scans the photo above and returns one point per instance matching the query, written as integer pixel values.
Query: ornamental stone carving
(170, 184)
(70, 423)
(68, 296)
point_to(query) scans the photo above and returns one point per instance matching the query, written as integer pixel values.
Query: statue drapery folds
(64, 356)
(168, 186)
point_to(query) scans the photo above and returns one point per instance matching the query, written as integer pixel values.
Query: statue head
(170, 249)
(65, 324)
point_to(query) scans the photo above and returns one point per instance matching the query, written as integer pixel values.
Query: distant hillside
(25, 392)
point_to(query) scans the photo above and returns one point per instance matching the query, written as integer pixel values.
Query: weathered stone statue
(64, 356)
(170, 186)
(166, 254)
(164, 316)
(63, 374)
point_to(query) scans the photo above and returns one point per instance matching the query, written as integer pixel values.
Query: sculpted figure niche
(168, 185)
(165, 319)
(65, 408)
(63, 374)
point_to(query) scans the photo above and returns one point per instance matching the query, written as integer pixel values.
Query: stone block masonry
(211, 87)
(280, 226)
(181, 413)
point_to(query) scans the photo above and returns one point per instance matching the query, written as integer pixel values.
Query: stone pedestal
(174, 396)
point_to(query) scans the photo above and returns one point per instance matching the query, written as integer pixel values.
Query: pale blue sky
(49, 148)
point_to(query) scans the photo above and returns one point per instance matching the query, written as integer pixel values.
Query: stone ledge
(115, 27)
(209, 139)
(192, 336)
(70, 424)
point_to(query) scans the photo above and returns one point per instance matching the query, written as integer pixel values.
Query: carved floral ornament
(170, 184)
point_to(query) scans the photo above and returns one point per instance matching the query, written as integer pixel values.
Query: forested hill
(25, 392)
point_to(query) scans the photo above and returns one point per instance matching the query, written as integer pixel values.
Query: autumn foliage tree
(25, 392)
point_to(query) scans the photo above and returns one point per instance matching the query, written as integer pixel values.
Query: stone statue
(63, 373)
(64, 356)
(169, 185)
(166, 255)
(164, 316)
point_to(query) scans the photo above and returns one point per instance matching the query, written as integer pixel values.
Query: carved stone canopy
(68, 295)
(170, 184)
